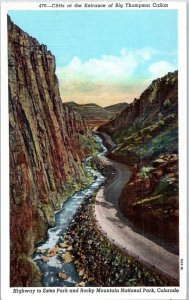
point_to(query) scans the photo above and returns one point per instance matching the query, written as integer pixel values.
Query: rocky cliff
(146, 134)
(46, 150)
(159, 100)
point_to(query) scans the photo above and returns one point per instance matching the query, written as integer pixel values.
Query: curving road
(116, 227)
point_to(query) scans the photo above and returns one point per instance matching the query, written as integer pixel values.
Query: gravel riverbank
(101, 263)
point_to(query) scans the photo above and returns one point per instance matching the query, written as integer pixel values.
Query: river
(55, 235)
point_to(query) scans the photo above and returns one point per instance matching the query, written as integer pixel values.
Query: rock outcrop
(46, 150)
(146, 134)
(156, 102)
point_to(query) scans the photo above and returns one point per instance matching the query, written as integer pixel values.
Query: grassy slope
(91, 111)
(95, 113)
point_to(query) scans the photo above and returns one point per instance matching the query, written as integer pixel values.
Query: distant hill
(91, 111)
(116, 108)
(94, 114)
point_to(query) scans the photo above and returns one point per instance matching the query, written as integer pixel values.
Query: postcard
(93, 120)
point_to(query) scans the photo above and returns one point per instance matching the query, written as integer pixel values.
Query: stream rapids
(63, 219)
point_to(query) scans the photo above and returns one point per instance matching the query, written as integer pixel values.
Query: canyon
(50, 144)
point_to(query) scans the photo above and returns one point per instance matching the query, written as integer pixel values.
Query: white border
(6, 290)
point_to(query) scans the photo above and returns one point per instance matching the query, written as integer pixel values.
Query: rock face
(46, 149)
(146, 134)
(157, 101)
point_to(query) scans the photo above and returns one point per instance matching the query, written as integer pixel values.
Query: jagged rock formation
(157, 101)
(146, 134)
(46, 150)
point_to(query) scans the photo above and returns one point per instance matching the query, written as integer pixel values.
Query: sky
(105, 56)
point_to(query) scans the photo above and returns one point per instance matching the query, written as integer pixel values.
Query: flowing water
(63, 218)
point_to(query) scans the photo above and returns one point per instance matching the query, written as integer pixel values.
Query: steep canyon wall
(45, 150)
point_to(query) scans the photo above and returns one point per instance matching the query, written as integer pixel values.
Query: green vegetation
(165, 186)
(28, 265)
(148, 200)
(73, 186)
(136, 135)
(145, 171)
(89, 143)
(150, 141)
(164, 142)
